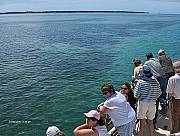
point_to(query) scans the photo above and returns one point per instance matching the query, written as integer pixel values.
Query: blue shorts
(127, 129)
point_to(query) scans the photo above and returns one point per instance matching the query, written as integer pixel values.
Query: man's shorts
(146, 110)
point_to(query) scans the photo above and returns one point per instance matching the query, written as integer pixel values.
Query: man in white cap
(166, 64)
(173, 91)
(54, 131)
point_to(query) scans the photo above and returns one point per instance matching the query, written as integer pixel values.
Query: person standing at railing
(137, 69)
(159, 74)
(166, 64)
(173, 91)
(125, 89)
(147, 91)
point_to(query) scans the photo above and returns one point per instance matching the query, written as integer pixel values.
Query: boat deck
(163, 127)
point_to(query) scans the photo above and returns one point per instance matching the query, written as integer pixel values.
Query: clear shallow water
(53, 65)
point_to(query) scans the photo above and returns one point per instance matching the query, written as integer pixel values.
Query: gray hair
(176, 65)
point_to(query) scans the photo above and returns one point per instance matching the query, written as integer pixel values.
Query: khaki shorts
(146, 110)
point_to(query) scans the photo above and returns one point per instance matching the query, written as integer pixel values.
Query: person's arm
(85, 130)
(102, 110)
(135, 72)
(169, 89)
(137, 91)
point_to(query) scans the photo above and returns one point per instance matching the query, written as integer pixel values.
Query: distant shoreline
(84, 11)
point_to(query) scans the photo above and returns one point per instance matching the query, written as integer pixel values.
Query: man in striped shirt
(147, 91)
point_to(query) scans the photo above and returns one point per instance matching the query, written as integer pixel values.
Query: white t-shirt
(120, 111)
(102, 130)
(174, 86)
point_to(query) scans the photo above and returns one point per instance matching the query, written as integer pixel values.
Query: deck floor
(163, 127)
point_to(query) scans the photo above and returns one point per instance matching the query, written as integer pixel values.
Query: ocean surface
(52, 66)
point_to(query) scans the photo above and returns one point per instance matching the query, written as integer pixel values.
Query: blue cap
(146, 71)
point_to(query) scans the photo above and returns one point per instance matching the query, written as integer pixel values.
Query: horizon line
(72, 11)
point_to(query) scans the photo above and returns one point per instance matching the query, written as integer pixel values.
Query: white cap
(160, 51)
(52, 131)
(93, 113)
(176, 64)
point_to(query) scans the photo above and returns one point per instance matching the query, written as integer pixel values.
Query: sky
(152, 6)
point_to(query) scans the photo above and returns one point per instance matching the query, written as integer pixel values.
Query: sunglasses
(124, 88)
(91, 118)
(104, 93)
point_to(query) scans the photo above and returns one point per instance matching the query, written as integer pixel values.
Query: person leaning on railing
(119, 110)
(93, 126)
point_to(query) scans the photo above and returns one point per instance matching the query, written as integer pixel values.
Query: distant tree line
(75, 11)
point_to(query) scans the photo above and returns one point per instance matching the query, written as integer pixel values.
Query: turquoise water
(53, 65)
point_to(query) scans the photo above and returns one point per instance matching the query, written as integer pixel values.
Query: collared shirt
(173, 86)
(147, 89)
(155, 67)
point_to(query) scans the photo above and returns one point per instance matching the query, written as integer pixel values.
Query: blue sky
(152, 6)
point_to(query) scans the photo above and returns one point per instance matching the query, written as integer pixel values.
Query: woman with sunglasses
(92, 127)
(127, 92)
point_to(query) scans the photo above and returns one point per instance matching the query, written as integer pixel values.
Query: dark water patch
(156, 25)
